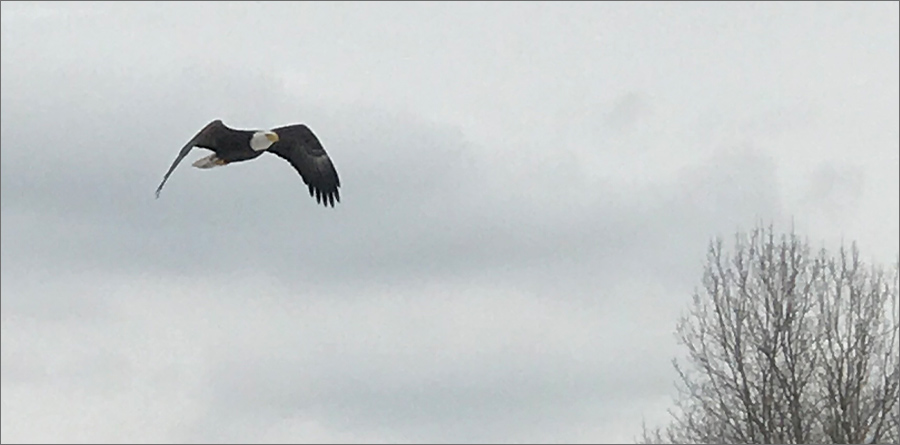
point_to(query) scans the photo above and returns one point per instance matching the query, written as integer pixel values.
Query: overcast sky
(528, 193)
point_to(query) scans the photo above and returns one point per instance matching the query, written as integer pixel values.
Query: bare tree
(786, 346)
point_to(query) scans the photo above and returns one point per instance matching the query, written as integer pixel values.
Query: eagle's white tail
(208, 162)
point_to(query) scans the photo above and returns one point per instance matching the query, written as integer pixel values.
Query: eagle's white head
(262, 140)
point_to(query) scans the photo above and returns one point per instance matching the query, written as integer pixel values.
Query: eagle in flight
(294, 143)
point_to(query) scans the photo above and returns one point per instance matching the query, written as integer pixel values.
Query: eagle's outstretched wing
(298, 145)
(203, 137)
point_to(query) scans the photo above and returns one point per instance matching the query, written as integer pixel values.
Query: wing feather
(301, 148)
(201, 138)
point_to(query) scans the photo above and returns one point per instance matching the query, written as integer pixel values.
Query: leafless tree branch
(788, 346)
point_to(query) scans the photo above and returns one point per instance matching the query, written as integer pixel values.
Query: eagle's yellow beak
(272, 137)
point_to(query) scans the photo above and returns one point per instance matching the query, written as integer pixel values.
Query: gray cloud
(835, 190)
(625, 112)
(517, 233)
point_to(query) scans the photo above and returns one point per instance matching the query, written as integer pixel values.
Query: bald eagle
(294, 143)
